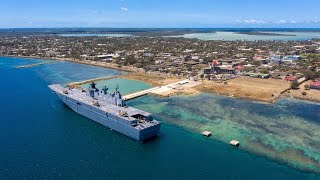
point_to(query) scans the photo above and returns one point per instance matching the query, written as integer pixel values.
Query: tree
(294, 84)
(310, 75)
(189, 67)
(130, 60)
(264, 71)
(256, 63)
(202, 76)
(306, 87)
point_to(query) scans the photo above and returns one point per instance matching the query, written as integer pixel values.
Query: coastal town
(160, 89)
(257, 70)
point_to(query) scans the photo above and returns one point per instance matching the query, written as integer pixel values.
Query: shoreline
(157, 79)
(86, 62)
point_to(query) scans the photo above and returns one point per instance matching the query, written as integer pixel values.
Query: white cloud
(281, 22)
(124, 9)
(315, 21)
(276, 22)
(251, 21)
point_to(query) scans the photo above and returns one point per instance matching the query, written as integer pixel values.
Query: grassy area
(312, 55)
(266, 90)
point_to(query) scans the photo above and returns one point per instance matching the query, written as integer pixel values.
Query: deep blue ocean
(43, 139)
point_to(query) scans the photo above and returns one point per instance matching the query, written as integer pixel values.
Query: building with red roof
(215, 63)
(315, 85)
(290, 78)
(240, 67)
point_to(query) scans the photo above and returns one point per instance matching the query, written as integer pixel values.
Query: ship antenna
(117, 87)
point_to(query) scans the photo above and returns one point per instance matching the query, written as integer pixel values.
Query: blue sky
(159, 13)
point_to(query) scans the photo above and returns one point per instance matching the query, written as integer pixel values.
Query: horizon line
(160, 27)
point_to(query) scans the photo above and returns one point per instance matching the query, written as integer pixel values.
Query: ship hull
(110, 121)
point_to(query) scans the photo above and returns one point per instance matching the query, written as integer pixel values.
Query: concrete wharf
(161, 89)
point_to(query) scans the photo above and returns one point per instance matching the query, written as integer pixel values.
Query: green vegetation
(202, 76)
(306, 87)
(294, 84)
(311, 74)
(264, 71)
(310, 56)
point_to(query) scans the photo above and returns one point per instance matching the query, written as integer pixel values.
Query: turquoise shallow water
(287, 131)
(43, 139)
(233, 36)
(65, 72)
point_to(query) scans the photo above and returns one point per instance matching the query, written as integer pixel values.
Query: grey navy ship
(110, 110)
